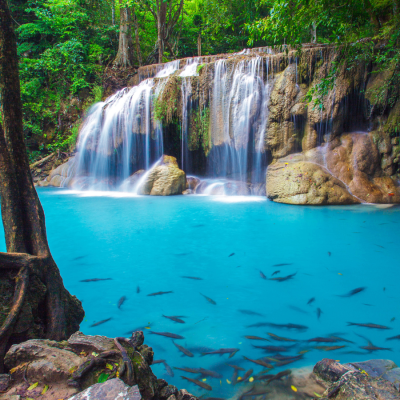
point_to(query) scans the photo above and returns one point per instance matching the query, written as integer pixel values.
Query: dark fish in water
(209, 300)
(258, 325)
(255, 338)
(159, 293)
(249, 312)
(234, 377)
(220, 352)
(392, 320)
(167, 334)
(372, 348)
(192, 277)
(200, 349)
(158, 362)
(263, 377)
(329, 348)
(230, 255)
(329, 253)
(394, 338)
(138, 289)
(189, 370)
(286, 362)
(121, 301)
(319, 312)
(276, 272)
(379, 246)
(289, 326)
(294, 308)
(284, 278)
(182, 254)
(311, 301)
(273, 349)
(198, 226)
(198, 383)
(246, 375)
(324, 340)
(168, 369)
(262, 275)
(259, 362)
(96, 280)
(207, 372)
(281, 339)
(340, 339)
(353, 292)
(100, 322)
(79, 258)
(175, 319)
(281, 265)
(368, 325)
(280, 375)
(186, 352)
(235, 367)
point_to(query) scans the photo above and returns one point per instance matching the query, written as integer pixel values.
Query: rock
(184, 395)
(305, 182)
(165, 179)
(188, 191)
(48, 361)
(62, 175)
(5, 381)
(192, 182)
(168, 391)
(345, 383)
(114, 389)
(80, 342)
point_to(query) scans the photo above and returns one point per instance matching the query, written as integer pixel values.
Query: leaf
(95, 354)
(109, 366)
(73, 369)
(33, 386)
(317, 395)
(12, 370)
(46, 387)
(294, 388)
(102, 377)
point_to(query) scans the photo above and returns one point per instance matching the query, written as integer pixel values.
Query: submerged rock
(302, 182)
(166, 179)
(349, 382)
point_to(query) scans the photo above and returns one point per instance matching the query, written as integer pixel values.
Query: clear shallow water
(151, 242)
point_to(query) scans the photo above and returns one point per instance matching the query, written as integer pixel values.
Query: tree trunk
(199, 45)
(138, 51)
(113, 12)
(124, 57)
(314, 33)
(57, 313)
(161, 19)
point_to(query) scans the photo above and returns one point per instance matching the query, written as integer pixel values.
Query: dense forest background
(68, 48)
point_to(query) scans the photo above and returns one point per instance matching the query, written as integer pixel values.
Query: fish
(329, 348)
(286, 362)
(189, 370)
(323, 340)
(159, 293)
(262, 275)
(372, 348)
(235, 367)
(394, 338)
(167, 334)
(230, 255)
(158, 362)
(379, 246)
(294, 308)
(280, 375)
(207, 372)
(121, 301)
(258, 325)
(249, 312)
(368, 325)
(96, 280)
(281, 265)
(234, 378)
(353, 292)
(340, 339)
(263, 377)
(255, 338)
(209, 300)
(319, 312)
(311, 301)
(138, 289)
(259, 362)
(79, 258)
(198, 226)
(175, 319)
(281, 339)
(200, 349)
(289, 326)
(182, 254)
(192, 277)
(392, 320)
(198, 383)
(220, 352)
(329, 253)
(273, 349)
(100, 322)
(284, 278)
(276, 272)
(186, 352)
(168, 369)
(246, 375)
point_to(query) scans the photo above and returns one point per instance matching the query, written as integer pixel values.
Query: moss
(199, 68)
(199, 135)
(392, 126)
(167, 105)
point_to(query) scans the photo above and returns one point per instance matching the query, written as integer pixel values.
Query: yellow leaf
(228, 381)
(317, 395)
(251, 379)
(117, 374)
(33, 386)
(239, 378)
(294, 388)
(220, 382)
(95, 354)
(29, 398)
(147, 327)
(339, 273)
(12, 370)
(73, 369)
(109, 366)
(46, 387)
(204, 380)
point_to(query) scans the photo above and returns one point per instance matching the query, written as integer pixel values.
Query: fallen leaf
(33, 386)
(102, 377)
(109, 366)
(204, 380)
(317, 395)
(46, 387)
(12, 370)
(251, 379)
(95, 354)
(228, 381)
(294, 388)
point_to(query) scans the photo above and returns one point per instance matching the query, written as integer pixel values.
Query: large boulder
(303, 182)
(62, 175)
(165, 179)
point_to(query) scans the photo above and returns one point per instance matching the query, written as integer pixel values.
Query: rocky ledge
(83, 368)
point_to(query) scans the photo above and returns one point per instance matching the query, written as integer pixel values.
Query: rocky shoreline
(96, 367)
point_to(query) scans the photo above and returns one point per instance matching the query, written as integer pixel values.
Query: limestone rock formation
(61, 176)
(165, 179)
(304, 182)
(348, 381)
